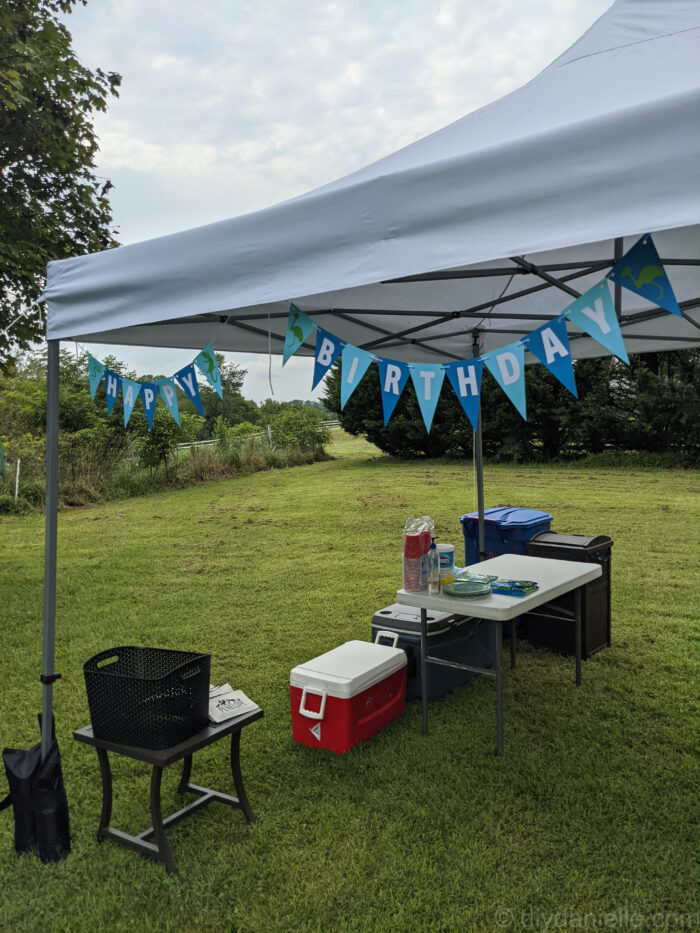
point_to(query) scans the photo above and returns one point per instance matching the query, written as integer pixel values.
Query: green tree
(52, 205)
(233, 408)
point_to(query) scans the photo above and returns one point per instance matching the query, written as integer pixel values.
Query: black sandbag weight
(38, 799)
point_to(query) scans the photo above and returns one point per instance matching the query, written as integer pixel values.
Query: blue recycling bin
(506, 531)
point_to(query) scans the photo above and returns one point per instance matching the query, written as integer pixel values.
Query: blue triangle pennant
(640, 270)
(95, 373)
(187, 380)
(594, 312)
(149, 394)
(328, 350)
(507, 366)
(168, 393)
(427, 381)
(550, 344)
(392, 379)
(112, 383)
(354, 364)
(299, 326)
(465, 376)
(207, 364)
(130, 393)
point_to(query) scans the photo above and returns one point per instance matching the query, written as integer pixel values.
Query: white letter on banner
(467, 383)
(427, 377)
(169, 393)
(325, 354)
(391, 383)
(129, 396)
(188, 380)
(552, 345)
(112, 384)
(509, 367)
(353, 369)
(148, 396)
(597, 315)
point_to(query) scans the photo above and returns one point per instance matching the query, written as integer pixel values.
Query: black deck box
(595, 596)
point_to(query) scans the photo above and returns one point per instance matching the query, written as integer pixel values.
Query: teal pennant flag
(168, 393)
(208, 366)
(550, 344)
(507, 366)
(299, 326)
(112, 383)
(130, 393)
(96, 371)
(354, 363)
(427, 381)
(594, 312)
(465, 376)
(640, 270)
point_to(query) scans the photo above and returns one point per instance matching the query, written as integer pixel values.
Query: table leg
(156, 816)
(499, 689)
(424, 668)
(238, 777)
(106, 775)
(513, 637)
(577, 610)
(186, 772)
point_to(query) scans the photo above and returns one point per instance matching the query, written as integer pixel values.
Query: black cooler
(595, 596)
(450, 637)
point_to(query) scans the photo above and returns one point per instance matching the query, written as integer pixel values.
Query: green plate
(466, 589)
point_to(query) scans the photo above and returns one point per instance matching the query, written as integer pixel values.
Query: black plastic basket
(147, 697)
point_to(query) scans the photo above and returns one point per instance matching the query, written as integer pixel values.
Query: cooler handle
(309, 713)
(394, 636)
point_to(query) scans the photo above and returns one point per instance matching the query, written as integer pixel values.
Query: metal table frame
(496, 609)
(159, 850)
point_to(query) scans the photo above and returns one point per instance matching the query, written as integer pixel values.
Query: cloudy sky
(227, 107)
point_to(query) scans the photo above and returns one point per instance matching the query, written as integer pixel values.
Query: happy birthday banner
(640, 270)
(150, 392)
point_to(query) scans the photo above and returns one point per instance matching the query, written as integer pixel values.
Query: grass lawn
(591, 813)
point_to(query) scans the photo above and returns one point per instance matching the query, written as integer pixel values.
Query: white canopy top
(494, 223)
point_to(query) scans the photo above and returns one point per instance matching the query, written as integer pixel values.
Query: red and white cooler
(346, 695)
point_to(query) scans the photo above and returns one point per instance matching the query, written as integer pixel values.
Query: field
(591, 813)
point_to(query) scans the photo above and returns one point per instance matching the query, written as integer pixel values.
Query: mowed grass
(591, 810)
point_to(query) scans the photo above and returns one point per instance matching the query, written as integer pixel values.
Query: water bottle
(433, 569)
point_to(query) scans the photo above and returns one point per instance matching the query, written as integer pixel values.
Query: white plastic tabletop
(555, 577)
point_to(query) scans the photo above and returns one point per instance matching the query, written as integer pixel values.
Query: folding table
(555, 577)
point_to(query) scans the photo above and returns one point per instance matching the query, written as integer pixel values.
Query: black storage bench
(595, 597)
(159, 759)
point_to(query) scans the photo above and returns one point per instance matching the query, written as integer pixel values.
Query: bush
(11, 506)
(300, 426)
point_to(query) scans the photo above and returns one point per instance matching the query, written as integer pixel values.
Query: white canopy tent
(457, 244)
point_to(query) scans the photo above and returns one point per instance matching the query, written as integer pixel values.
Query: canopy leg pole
(49, 629)
(479, 459)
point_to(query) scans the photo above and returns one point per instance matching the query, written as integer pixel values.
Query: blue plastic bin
(506, 531)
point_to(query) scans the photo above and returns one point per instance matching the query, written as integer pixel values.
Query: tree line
(651, 406)
(101, 457)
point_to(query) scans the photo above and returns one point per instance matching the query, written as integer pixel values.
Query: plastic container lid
(348, 669)
(507, 515)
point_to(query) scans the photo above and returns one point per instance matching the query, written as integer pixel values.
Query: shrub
(11, 506)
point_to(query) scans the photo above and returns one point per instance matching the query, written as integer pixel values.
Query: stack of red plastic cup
(413, 550)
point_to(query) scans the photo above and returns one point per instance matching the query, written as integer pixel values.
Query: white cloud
(229, 107)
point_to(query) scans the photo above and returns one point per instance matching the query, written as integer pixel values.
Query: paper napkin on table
(225, 703)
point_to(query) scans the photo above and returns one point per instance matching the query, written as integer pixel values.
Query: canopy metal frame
(415, 335)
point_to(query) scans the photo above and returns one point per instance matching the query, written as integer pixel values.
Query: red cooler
(344, 696)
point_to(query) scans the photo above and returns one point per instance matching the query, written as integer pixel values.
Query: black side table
(160, 759)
